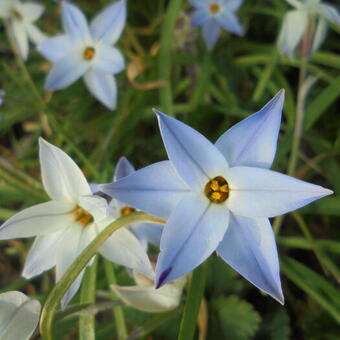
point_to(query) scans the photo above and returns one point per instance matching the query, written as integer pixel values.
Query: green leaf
(321, 103)
(313, 285)
(279, 328)
(237, 318)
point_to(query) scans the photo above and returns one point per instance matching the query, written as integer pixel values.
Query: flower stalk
(53, 300)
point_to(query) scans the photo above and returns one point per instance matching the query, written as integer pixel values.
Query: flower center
(89, 53)
(82, 216)
(217, 190)
(214, 8)
(127, 211)
(16, 15)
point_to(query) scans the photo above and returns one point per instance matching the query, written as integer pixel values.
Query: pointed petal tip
(157, 112)
(162, 278)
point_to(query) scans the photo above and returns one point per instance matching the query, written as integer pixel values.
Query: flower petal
(61, 177)
(56, 48)
(156, 189)
(149, 299)
(108, 60)
(200, 16)
(32, 11)
(258, 192)
(249, 247)
(233, 5)
(41, 219)
(42, 255)
(292, 30)
(330, 13)
(195, 158)
(229, 21)
(191, 235)
(20, 37)
(211, 32)
(108, 25)
(70, 246)
(74, 22)
(320, 34)
(123, 248)
(123, 168)
(19, 316)
(103, 87)
(97, 206)
(253, 141)
(35, 34)
(147, 233)
(65, 72)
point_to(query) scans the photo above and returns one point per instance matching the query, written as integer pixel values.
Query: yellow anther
(82, 216)
(214, 8)
(216, 195)
(89, 53)
(217, 190)
(127, 211)
(224, 188)
(214, 185)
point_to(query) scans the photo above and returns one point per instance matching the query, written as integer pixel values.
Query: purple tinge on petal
(163, 277)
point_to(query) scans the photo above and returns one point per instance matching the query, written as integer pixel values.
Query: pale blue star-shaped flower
(214, 15)
(219, 197)
(65, 225)
(87, 51)
(312, 15)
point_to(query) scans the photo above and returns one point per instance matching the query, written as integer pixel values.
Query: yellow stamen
(127, 211)
(217, 190)
(214, 8)
(82, 216)
(89, 53)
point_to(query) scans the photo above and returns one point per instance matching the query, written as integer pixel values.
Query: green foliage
(237, 319)
(211, 92)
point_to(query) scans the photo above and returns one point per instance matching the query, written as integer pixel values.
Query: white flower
(19, 316)
(65, 225)
(86, 51)
(303, 17)
(21, 17)
(145, 297)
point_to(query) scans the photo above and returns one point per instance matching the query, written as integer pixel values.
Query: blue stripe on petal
(191, 235)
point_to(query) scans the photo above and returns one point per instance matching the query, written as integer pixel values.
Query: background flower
(309, 16)
(21, 18)
(214, 15)
(87, 51)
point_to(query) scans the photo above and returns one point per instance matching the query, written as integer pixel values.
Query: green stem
(192, 306)
(164, 58)
(300, 111)
(117, 311)
(88, 296)
(79, 264)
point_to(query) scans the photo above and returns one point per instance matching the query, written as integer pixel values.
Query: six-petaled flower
(214, 15)
(218, 197)
(65, 225)
(87, 51)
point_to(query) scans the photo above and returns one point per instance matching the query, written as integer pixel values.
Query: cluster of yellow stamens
(89, 53)
(217, 190)
(82, 216)
(214, 8)
(127, 211)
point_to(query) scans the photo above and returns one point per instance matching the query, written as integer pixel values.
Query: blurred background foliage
(169, 68)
